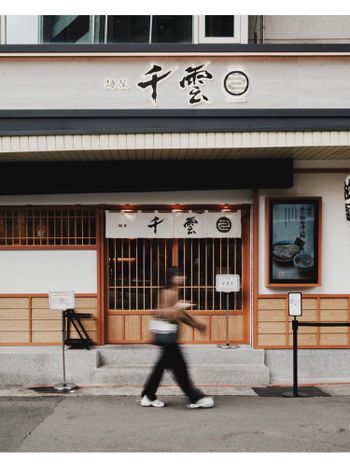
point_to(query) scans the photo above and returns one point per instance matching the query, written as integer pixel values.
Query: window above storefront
(124, 29)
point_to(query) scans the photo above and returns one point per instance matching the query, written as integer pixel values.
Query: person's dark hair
(170, 273)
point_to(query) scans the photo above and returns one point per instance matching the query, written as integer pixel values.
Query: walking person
(173, 311)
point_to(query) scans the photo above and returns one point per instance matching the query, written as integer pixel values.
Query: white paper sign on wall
(63, 300)
(227, 283)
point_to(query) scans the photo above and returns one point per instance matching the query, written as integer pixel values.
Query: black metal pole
(295, 392)
(295, 356)
(227, 320)
(64, 387)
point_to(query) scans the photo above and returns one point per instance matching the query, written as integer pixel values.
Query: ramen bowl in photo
(304, 263)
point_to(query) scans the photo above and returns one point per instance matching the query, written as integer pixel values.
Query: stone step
(44, 366)
(194, 354)
(220, 374)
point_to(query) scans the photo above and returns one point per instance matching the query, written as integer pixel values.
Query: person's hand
(183, 304)
(201, 326)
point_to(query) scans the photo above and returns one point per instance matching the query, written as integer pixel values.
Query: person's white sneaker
(204, 403)
(146, 402)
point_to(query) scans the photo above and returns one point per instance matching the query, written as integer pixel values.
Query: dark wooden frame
(317, 202)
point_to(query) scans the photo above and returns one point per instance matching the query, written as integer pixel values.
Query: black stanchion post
(295, 356)
(295, 309)
(64, 387)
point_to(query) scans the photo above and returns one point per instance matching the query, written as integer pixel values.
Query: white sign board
(173, 225)
(294, 304)
(61, 300)
(227, 283)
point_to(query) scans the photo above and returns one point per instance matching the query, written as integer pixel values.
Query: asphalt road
(119, 424)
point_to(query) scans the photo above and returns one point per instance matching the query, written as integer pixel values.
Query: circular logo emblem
(223, 224)
(236, 83)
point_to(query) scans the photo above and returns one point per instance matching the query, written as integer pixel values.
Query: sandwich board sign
(227, 283)
(62, 300)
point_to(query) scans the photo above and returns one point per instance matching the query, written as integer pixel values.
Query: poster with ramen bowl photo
(293, 241)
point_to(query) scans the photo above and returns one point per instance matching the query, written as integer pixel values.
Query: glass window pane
(66, 29)
(123, 29)
(172, 29)
(100, 27)
(219, 26)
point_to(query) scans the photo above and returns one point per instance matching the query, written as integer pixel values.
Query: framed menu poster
(293, 241)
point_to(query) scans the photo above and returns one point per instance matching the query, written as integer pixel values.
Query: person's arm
(169, 306)
(171, 313)
(187, 318)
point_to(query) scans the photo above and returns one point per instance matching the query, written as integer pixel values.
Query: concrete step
(215, 374)
(33, 365)
(128, 365)
(194, 354)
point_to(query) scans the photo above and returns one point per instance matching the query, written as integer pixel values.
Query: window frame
(18, 241)
(240, 32)
(198, 31)
(91, 31)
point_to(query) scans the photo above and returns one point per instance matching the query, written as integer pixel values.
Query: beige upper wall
(307, 29)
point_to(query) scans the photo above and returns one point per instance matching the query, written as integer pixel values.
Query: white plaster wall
(173, 197)
(307, 29)
(336, 233)
(28, 271)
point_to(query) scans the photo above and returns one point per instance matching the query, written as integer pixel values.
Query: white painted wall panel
(28, 271)
(336, 232)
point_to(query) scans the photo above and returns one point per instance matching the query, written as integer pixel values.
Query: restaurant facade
(216, 153)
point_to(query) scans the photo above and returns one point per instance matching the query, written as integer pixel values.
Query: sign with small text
(294, 304)
(63, 300)
(227, 283)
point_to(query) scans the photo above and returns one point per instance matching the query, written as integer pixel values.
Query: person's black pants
(171, 358)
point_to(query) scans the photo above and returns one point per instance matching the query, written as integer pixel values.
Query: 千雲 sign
(173, 224)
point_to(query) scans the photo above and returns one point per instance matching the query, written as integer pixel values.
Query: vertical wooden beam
(318, 336)
(102, 269)
(288, 323)
(255, 265)
(30, 318)
(246, 286)
(175, 255)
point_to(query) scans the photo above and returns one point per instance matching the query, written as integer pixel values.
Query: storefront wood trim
(129, 322)
(275, 331)
(255, 265)
(39, 321)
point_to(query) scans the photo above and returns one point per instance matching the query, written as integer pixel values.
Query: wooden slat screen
(32, 226)
(137, 269)
(200, 260)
